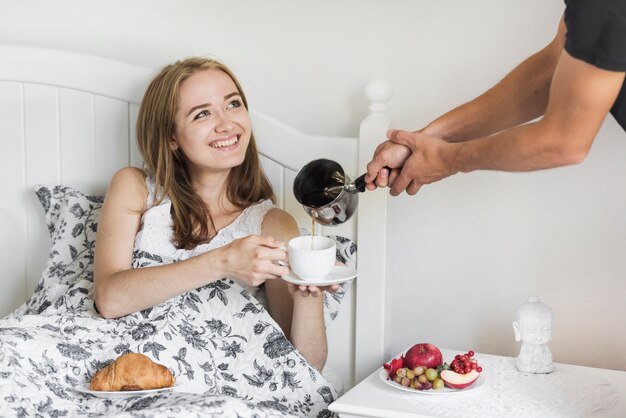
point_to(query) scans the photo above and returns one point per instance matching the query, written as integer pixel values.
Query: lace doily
(507, 393)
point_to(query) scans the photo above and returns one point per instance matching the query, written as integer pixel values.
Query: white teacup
(311, 261)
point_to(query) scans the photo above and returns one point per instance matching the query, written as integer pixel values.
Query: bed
(67, 124)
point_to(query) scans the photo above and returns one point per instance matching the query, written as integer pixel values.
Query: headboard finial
(378, 93)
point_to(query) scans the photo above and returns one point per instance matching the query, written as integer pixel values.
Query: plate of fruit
(422, 370)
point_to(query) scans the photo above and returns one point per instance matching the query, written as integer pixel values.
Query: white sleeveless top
(153, 242)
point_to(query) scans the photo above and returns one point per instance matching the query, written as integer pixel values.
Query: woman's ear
(173, 144)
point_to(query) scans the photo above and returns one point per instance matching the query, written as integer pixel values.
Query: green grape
(419, 370)
(438, 384)
(431, 374)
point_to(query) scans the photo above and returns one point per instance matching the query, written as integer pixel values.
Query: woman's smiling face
(212, 124)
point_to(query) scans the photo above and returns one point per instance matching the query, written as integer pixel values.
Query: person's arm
(300, 313)
(120, 289)
(522, 95)
(581, 96)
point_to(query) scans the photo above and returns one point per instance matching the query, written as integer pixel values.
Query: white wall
(466, 251)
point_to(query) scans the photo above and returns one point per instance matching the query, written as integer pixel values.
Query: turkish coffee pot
(326, 192)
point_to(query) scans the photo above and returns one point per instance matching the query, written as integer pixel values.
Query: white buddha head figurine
(533, 327)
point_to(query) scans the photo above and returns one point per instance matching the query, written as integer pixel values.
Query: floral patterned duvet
(229, 357)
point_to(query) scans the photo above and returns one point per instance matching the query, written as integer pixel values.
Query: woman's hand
(305, 291)
(252, 259)
(314, 291)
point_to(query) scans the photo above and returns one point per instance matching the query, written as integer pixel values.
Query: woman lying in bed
(180, 253)
(202, 168)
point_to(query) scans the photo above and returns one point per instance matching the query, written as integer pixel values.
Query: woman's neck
(211, 187)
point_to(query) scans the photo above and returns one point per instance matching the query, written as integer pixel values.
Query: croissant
(132, 371)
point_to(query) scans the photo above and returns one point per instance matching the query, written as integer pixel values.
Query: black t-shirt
(596, 33)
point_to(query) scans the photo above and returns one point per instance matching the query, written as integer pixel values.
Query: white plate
(444, 391)
(338, 274)
(84, 388)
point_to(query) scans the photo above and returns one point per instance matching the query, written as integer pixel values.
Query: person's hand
(302, 290)
(426, 164)
(386, 162)
(314, 291)
(252, 259)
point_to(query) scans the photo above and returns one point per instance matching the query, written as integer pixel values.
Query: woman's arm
(120, 289)
(299, 313)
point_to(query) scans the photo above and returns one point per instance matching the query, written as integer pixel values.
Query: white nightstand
(568, 392)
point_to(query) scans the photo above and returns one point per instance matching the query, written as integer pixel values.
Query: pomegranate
(423, 354)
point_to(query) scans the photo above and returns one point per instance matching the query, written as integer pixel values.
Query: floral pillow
(72, 219)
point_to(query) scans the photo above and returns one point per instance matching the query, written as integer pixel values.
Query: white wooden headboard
(67, 118)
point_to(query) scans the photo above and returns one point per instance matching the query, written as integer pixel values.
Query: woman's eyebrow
(200, 106)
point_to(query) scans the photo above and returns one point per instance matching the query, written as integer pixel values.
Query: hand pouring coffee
(326, 192)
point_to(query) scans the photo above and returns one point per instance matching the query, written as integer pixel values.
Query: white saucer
(84, 388)
(338, 274)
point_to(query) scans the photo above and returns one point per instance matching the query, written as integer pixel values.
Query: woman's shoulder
(278, 215)
(279, 224)
(129, 185)
(130, 176)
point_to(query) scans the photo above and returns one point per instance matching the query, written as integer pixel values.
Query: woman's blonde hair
(246, 183)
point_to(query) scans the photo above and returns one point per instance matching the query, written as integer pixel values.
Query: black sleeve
(596, 32)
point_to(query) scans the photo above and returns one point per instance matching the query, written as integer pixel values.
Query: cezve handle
(359, 183)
